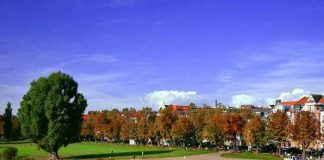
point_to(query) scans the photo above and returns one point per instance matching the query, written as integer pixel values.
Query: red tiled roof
(289, 103)
(321, 100)
(134, 115)
(299, 102)
(303, 100)
(179, 108)
(85, 117)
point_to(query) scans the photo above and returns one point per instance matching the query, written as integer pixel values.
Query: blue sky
(134, 53)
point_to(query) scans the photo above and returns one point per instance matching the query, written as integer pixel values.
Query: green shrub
(9, 153)
(23, 158)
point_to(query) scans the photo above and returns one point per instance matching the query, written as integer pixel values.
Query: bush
(9, 153)
(242, 148)
(269, 148)
(292, 150)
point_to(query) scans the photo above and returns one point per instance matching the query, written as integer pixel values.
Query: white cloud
(270, 101)
(158, 98)
(242, 99)
(295, 94)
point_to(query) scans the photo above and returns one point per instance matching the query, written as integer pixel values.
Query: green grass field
(249, 155)
(91, 150)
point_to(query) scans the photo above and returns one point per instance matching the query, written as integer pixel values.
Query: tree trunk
(54, 156)
(234, 144)
(279, 149)
(257, 149)
(304, 150)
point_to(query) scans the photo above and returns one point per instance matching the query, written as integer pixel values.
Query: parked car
(293, 158)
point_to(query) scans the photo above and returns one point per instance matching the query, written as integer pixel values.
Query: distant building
(85, 117)
(132, 116)
(180, 109)
(263, 112)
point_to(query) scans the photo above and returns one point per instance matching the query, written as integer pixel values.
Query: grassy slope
(100, 151)
(249, 155)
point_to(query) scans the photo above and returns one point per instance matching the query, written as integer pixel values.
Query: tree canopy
(277, 128)
(7, 122)
(51, 112)
(165, 121)
(232, 126)
(213, 129)
(254, 132)
(183, 131)
(304, 129)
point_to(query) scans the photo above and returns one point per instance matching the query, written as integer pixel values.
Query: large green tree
(7, 122)
(51, 112)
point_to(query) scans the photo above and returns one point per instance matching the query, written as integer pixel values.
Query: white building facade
(313, 103)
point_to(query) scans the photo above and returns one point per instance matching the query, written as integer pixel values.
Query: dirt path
(210, 156)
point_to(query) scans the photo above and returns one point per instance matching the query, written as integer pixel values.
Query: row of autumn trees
(50, 115)
(216, 125)
(147, 126)
(9, 124)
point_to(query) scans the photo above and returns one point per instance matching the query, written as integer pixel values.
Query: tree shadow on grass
(120, 154)
(14, 142)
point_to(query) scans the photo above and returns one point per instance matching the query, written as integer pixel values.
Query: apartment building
(312, 102)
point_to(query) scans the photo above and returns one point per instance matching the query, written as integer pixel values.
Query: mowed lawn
(249, 155)
(91, 150)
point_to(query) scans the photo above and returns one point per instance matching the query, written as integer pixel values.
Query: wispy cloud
(13, 94)
(225, 76)
(15, 83)
(285, 66)
(299, 67)
(266, 73)
(97, 78)
(96, 58)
